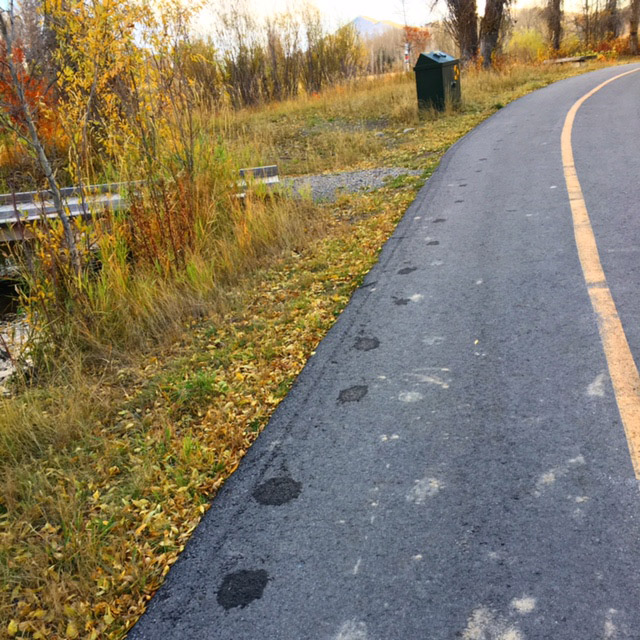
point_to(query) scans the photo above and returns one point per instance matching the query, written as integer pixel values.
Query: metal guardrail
(18, 209)
(590, 56)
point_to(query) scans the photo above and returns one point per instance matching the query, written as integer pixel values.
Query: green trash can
(437, 80)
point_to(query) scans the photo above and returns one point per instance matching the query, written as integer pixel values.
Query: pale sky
(337, 12)
(418, 11)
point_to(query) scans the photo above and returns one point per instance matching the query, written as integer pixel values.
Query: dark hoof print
(277, 491)
(439, 220)
(432, 243)
(401, 302)
(366, 344)
(406, 270)
(353, 394)
(240, 588)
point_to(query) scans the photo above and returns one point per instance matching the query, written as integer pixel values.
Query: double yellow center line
(622, 368)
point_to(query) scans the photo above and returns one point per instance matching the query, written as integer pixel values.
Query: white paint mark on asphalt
(423, 489)
(596, 388)
(610, 628)
(357, 567)
(417, 217)
(581, 498)
(352, 630)
(485, 624)
(384, 437)
(549, 478)
(372, 519)
(382, 377)
(433, 340)
(437, 263)
(417, 557)
(479, 281)
(431, 379)
(410, 396)
(395, 436)
(553, 186)
(416, 297)
(523, 605)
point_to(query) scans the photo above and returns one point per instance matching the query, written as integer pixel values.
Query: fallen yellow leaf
(72, 631)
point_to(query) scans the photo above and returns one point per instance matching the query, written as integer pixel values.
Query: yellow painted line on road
(622, 368)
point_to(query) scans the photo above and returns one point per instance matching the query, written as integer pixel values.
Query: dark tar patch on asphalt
(353, 394)
(240, 588)
(406, 270)
(277, 491)
(366, 344)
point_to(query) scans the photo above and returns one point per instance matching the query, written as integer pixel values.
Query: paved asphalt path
(451, 463)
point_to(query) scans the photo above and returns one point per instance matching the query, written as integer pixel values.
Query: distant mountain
(369, 27)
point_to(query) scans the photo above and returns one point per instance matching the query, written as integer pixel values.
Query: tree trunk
(463, 21)
(6, 31)
(611, 25)
(554, 22)
(490, 30)
(633, 26)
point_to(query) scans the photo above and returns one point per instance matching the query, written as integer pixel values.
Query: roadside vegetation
(165, 337)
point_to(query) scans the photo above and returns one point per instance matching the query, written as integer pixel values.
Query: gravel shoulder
(327, 187)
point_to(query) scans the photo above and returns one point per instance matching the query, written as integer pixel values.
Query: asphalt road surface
(452, 462)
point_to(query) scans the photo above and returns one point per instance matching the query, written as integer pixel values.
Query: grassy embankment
(104, 476)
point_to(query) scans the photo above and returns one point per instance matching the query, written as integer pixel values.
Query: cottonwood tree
(462, 23)
(634, 18)
(611, 20)
(490, 27)
(554, 22)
